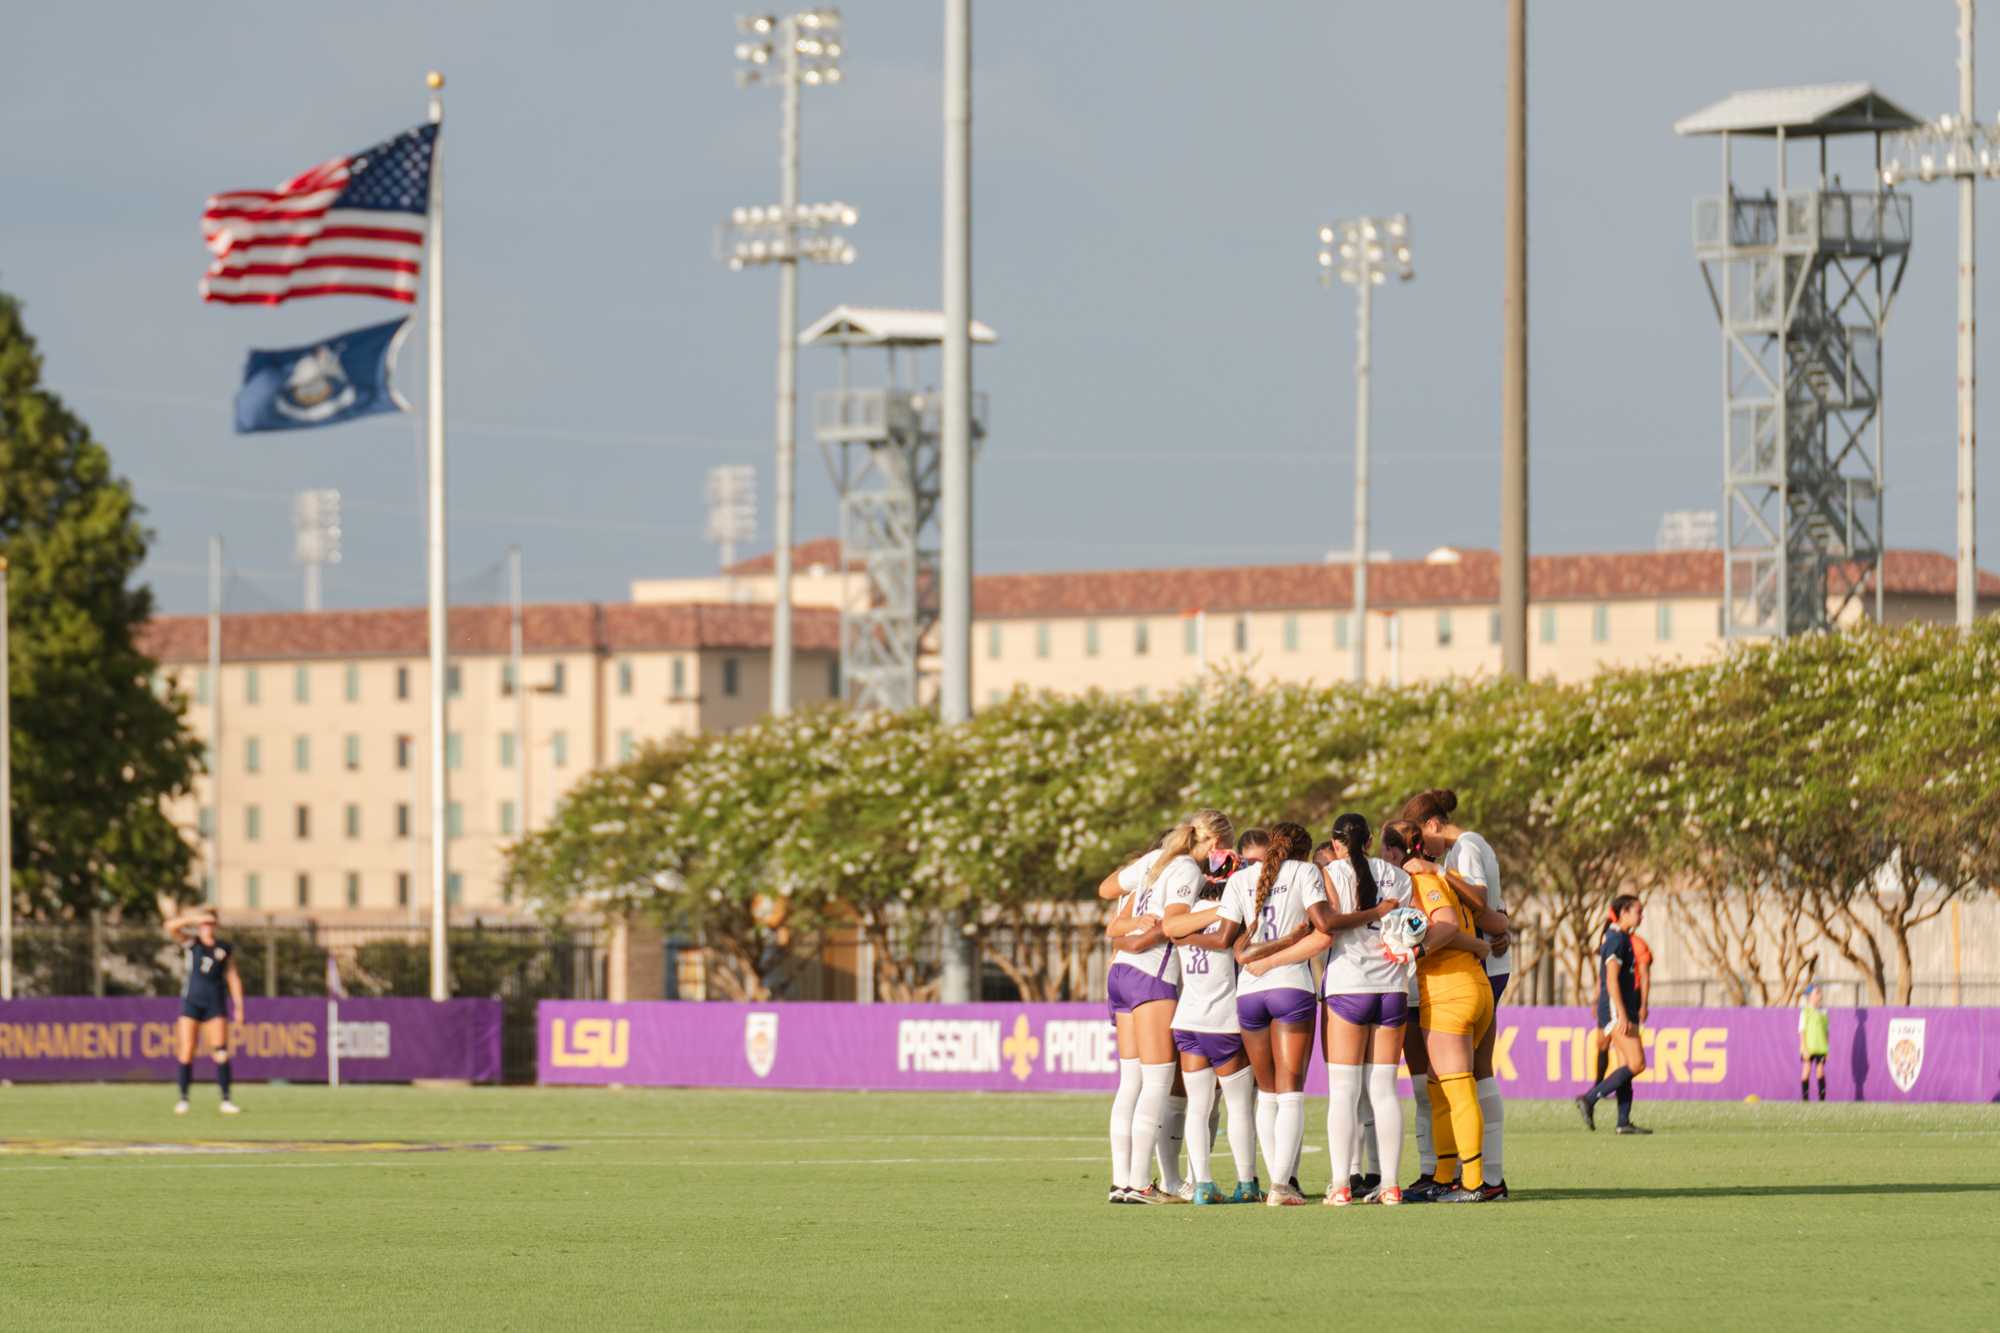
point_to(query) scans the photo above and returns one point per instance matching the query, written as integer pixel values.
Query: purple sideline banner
(1886, 1055)
(381, 1041)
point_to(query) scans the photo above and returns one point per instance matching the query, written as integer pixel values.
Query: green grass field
(795, 1210)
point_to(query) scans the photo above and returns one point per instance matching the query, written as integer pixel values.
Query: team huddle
(1212, 990)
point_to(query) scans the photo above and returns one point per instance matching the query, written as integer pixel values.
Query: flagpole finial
(434, 80)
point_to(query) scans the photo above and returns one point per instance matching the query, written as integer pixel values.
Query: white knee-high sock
(1201, 1102)
(1214, 1120)
(1240, 1091)
(1267, 1131)
(1122, 1106)
(1291, 1134)
(1172, 1131)
(1388, 1121)
(1367, 1161)
(1427, 1157)
(1495, 1113)
(1343, 1093)
(1156, 1083)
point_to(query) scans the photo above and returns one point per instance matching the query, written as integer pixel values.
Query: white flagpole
(440, 876)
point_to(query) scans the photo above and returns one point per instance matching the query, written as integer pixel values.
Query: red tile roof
(823, 551)
(477, 630)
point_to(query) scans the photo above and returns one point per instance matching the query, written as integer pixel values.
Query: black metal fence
(516, 965)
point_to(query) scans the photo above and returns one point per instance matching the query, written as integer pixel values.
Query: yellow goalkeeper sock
(1443, 1135)
(1468, 1125)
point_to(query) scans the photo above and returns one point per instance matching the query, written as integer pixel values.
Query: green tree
(96, 751)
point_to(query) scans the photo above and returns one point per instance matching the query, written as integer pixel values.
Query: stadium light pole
(1363, 252)
(1958, 148)
(1514, 360)
(315, 537)
(789, 50)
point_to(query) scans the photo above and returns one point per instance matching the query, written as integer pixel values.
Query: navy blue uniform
(206, 994)
(1617, 944)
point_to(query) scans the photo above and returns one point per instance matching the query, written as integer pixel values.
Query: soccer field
(788, 1210)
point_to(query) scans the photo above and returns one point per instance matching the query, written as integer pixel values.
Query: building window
(302, 821)
(1042, 639)
(301, 685)
(624, 677)
(354, 888)
(351, 753)
(402, 819)
(454, 750)
(1341, 633)
(1548, 624)
(402, 888)
(730, 676)
(993, 641)
(506, 749)
(507, 818)
(250, 685)
(1191, 635)
(205, 821)
(1600, 623)
(305, 889)
(253, 755)
(403, 747)
(454, 680)
(559, 744)
(402, 682)
(252, 889)
(558, 677)
(351, 818)
(253, 823)
(833, 679)
(201, 686)
(454, 888)
(351, 683)
(1242, 634)
(1141, 638)
(1444, 629)
(1090, 638)
(627, 746)
(507, 679)
(301, 754)
(1291, 634)
(680, 678)
(1492, 627)
(1663, 621)
(454, 820)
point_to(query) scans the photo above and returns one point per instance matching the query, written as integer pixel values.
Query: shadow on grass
(1759, 1191)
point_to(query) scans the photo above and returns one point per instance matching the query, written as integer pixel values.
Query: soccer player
(1473, 870)
(1617, 1015)
(1143, 985)
(1210, 1042)
(211, 968)
(1454, 1013)
(1265, 905)
(1812, 1040)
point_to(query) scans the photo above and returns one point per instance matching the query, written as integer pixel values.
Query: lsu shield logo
(760, 1042)
(1906, 1051)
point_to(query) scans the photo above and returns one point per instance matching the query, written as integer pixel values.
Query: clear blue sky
(1172, 385)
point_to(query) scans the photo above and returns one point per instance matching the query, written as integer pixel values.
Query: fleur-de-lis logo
(1022, 1047)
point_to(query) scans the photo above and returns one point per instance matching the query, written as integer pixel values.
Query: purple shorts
(1260, 1009)
(1500, 984)
(1382, 1011)
(1218, 1048)
(1127, 988)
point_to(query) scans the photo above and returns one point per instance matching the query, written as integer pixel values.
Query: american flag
(350, 227)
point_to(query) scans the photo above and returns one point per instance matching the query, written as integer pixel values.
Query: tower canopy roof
(875, 327)
(1809, 112)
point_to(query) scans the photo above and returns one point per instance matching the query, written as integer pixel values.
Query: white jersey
(1208, 976)
(1473, 859)
(1299, 884)
(1355, 965)
(1150, 900)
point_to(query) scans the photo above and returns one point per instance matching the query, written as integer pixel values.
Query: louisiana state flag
(322, 384)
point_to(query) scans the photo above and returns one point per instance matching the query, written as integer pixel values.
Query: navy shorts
(201, 1011)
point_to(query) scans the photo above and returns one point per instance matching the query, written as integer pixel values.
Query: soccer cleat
(1494, 1192)
(1149, 1195)
(1462, 1195)
(1185, 1194)
(1247, 1191)
(1117, 1194)
(1386, 1194)
(1629, 1128)
(181, 1107)
(230, 1108)
(1206, 1192)
(1425, 1190)
(1283, 1196)
(1369, 1183)
(1339, 1196)
(1588, 1110)
(1357, 1183)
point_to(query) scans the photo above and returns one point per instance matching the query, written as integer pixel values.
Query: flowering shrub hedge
(1829, 792)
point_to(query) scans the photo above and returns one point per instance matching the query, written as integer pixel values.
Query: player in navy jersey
(210, 999)
(1618, 1015)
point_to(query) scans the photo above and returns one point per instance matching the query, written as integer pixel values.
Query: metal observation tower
(882, 447)
(1802, 281)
